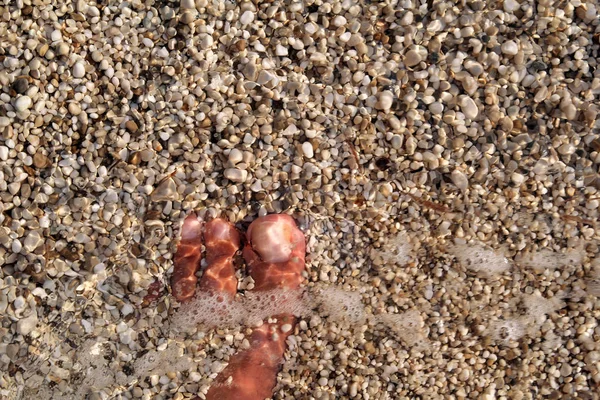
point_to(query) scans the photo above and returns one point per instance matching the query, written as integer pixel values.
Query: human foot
(275, 255)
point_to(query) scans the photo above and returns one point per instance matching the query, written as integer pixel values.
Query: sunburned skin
(275, 258)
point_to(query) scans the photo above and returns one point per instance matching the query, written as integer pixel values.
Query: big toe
(275, 252)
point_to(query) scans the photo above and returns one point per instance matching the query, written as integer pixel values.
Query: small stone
(235, 156)
(4, 153)
(23, 103)
(517, 178)
(111, 196)
(339, 21)
(188, 17)
(32, 241)
(74, 109)
(250, 71)
(385, 100)
(460, 180)
(566, 149)
(469, 108)
(241, 45)
(397, 141)
(291, 130)
(510, 48)
(236, 174)
(43, 49)
(97, 56)
(436, 108)
(131, 126)
(412, 58)
(20, 85)
(78, 70)
(474, 67)
(126, 309)
(569, 110)
(16, 246)
(307, 149)
(26, 325)
(56, 35)
(247, 17)
(264, 77)
(166, 190)
(40, 160)
(511, 6)
(63, 49)
(281, 51)
(4, 121)
(187, 4)
(206, 41)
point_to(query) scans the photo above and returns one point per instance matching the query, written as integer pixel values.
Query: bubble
(481, 259)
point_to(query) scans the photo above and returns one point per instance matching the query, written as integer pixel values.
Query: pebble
(23, 103)
(412, 58)
(510, 48)
(188, 17)
(63, 49)
(469, 108)
(265, 77)
(20, 85)
(26, 325)
(131, 126)
(281, 51)
(187, 4)
(307, 149)
(436, 108)
(165, 191)
(40, 160)
(235, 156)
(385, 100)
(339, 21)
(56, 35)
(78, 70)
(566, 149)
(247, 18)
(511, 6)
(460, 180)
(236, 174)
(16, 246)
(74, 109)
(32, 241)
(517, 178)
(474, 67)
(97, 56)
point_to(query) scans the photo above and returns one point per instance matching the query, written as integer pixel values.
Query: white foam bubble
(481, 259)
(156, 362)
(207, 311)
(398, 250)
(547, 259)
(340, 305)
(408, 326)
(507, 330)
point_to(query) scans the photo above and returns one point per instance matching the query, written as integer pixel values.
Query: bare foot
(275, 255)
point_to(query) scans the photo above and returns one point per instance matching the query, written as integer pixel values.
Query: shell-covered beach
(440, 158)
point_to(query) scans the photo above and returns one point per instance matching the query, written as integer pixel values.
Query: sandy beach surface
(441, 159)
